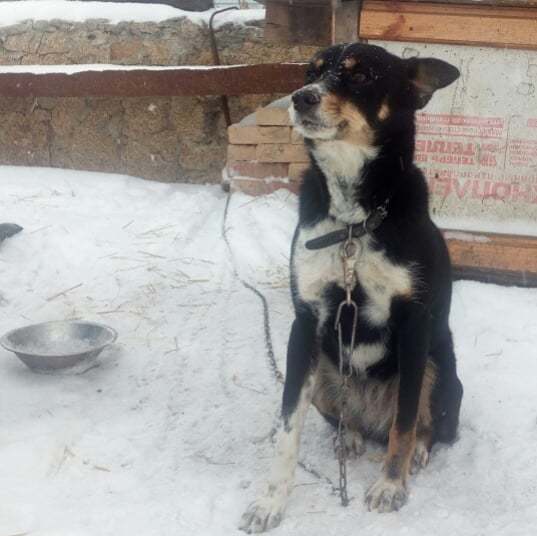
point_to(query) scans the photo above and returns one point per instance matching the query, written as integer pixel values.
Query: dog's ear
(427, 75)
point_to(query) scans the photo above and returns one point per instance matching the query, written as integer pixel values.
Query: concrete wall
(169, 139)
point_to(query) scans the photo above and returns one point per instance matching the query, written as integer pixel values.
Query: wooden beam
(345, 18)
(496, 277)
(311, 22)
(494, 258)
(512, 27)
(225, 80)
(501, 3)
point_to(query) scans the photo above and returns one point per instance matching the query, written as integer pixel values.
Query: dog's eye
(315, 69)
(311, 76)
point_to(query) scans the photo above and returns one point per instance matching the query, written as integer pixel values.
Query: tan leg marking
(424, 408)
(402, 446)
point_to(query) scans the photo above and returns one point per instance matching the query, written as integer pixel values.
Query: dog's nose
(305, 99)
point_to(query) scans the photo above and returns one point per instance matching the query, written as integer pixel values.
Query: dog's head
(353, 90)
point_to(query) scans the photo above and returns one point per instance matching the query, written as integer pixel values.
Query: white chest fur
(342, 163)
(380, 279)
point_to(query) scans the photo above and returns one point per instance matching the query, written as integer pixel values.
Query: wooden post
(312, 22)
(346, 16)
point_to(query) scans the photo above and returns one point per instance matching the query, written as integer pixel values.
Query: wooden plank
(412, 6)
(296, 137)
(238, 153)
(496, 3)
(258, 170)
(497, 277)
(297, 170)
(273, 116)
(249, 134)
(503, 252)
(502, 3)
(225, 80)
(276, 152)
(511, 27)
(505, 259)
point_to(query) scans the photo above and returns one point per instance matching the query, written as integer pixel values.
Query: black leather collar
(356, 230)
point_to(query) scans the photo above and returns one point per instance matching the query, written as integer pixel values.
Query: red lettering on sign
(476, 185)
(450, 147)
(469, 157)
(443, 187)
(523, 193)
(501, 190)
(465, 120)
(461, 192)
(488, 160)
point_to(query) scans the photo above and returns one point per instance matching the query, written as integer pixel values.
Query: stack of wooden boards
(264, 152)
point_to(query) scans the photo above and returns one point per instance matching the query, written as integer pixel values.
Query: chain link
(350, 250)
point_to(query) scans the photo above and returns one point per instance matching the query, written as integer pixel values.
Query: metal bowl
(50, 346)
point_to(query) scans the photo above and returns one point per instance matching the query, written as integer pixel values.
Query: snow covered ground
(170, 435)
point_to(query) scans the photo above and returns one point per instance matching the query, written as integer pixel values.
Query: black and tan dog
(356, 114)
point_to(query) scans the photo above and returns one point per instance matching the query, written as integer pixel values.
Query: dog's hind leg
(440, 401)
(267, 511)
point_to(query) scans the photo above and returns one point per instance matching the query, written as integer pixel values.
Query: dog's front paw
(264, 514)
(386, 495)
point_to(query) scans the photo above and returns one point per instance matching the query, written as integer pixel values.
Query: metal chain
(350, 250)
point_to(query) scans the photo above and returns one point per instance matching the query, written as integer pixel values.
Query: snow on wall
(98, 67)
(114, 13)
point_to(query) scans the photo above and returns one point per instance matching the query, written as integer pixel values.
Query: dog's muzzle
(306, 99)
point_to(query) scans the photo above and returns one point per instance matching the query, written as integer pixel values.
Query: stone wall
(169, 139)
